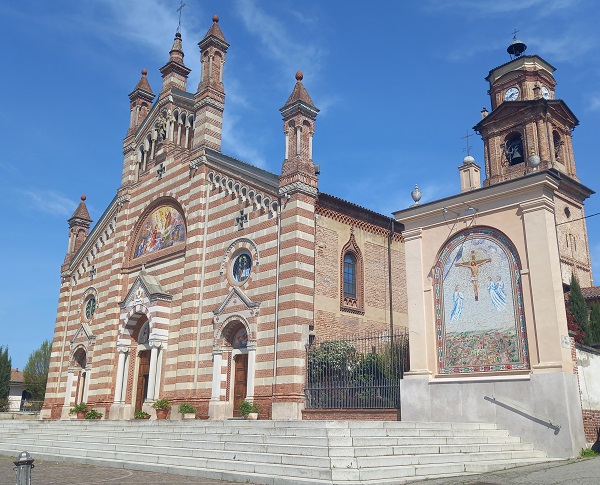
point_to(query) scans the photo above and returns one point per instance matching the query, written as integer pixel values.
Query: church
(210, 281)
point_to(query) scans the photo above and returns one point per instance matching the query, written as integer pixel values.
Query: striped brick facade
(179, 322)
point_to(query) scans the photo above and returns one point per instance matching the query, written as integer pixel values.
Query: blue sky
(398, 84)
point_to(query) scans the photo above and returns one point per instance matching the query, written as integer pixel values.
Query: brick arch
(353, 305)
(226, 330)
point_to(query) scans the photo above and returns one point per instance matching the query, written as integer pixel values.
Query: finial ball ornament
(216, 19)
(144, 71)
(83, 197)
(299, 76)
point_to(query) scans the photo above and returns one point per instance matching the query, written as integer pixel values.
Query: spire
(215, 30)
(210, 97)
(176, 52)
(81, 212)
(174, 72)
(143, 84)
(299, 93)
(299, 114)
(79, 226)
(140, 102)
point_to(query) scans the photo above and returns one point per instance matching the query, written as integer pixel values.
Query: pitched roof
(16, 375)
(81, 212)
(143, 82)
(215, 29)
(591, 293)
(299, 93)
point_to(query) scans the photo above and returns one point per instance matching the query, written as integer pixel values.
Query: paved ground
(580, 472)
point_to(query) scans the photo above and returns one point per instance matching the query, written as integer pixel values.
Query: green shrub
(247, 407)
(186, 408)
(140, 415)
(161, 404)
(93, 414)
(79, 408)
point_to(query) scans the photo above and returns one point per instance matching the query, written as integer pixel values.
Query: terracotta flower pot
(162, 413)
(80, 414)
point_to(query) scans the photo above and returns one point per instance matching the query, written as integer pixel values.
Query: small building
(18, 393)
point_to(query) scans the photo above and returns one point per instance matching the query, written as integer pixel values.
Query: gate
(357, 372)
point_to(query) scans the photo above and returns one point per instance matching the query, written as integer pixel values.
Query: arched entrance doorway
(142, 364)
(238, 339)
(80, 361)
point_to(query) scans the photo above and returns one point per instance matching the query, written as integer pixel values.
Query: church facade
(206, 278)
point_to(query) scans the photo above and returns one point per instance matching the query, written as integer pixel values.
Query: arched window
(349, 275)
(513, 149)
(351, 278)
(558, 143)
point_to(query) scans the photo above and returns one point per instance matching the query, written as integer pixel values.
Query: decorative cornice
(298, 187)
(359, 223)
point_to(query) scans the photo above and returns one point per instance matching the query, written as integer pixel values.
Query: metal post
(23, 467)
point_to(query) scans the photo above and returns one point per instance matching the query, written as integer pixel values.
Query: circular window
(90, 307)
(242, 266)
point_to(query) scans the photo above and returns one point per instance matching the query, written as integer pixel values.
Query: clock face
(90, 308)
(545, 92)
(511, 94)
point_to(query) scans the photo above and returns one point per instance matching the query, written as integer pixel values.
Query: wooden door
(142, 382)
(239, 386)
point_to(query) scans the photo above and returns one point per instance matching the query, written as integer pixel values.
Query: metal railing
(357, 372)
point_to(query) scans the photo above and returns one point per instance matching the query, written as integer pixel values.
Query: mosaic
(161, 229)
(479, 306)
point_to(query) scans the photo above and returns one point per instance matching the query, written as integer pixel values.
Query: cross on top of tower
(467, 138)
(515, 34)
(181, 5)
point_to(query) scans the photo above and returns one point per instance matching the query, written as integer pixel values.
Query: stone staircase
(276, 452)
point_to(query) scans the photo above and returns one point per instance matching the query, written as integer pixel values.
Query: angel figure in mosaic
(496, 292)
(458, 298)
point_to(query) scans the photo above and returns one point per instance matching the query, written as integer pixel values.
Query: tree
(578, 307)
(5, 368)
(35, 373)
(594, 333)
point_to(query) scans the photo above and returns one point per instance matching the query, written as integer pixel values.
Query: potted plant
(93, 414)
(249, 410)
(162, 407)
(141, 415)
(187, 410)
(79, 409)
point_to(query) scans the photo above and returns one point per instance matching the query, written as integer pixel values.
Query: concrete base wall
(543, 410)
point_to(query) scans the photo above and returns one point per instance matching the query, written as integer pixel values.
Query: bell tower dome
(528, 128)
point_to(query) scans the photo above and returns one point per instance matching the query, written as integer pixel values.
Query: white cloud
(594, 103)
(50, 202)
(290, 53)
(542, 7)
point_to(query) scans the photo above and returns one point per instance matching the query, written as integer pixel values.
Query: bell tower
(528, 128)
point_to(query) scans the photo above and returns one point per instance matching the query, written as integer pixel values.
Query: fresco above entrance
(163, 228)
(480, 322)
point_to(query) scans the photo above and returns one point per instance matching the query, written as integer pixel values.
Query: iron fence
(357, 372)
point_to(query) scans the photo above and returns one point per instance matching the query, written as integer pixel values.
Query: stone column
(216, 377)
(69, 388)
(86, 385)
(122, 351)
(251, 367)
(152, 376)
(415, 295)
(550, 323)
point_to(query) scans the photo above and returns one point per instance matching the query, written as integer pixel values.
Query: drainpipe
(276, 324)
(390, 276)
